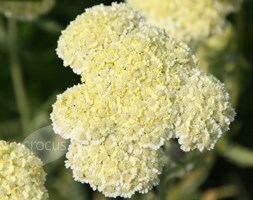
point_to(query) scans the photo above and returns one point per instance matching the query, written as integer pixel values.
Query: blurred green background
(225, 173)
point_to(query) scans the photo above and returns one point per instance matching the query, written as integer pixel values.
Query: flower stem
(2, 30)
(16, 74)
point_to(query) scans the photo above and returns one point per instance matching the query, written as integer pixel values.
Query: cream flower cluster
(25, 10)
(132, 98)
(115, 167)
(93, 31)
(21, 173)
(128, 89)
(187, 20)
(205, 108)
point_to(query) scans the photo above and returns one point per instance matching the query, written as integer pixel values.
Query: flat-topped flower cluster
(138, 89)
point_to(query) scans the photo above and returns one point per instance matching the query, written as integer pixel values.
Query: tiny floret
(21, 173)
(115, 168)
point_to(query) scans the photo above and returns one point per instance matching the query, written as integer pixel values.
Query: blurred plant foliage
(27, 54)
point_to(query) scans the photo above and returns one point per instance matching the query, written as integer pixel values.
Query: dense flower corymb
(185, 20)
(129, 88)
(25, 10)
(114, 167)
(21, 173)
(130, 85)
(138, 87)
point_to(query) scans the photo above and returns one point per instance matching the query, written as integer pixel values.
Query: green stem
(2, 32)
(17, 79)
(240, 30)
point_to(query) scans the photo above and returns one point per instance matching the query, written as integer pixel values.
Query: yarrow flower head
(188, 21)
(21, 173)
(133, 90)
(129, 87)
(25, 10)
(114, 167)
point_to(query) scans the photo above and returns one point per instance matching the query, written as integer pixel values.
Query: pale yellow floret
(93, 31)
(129, 88)
(114, 167)
(205, 113)
(25, 10)
(186, 20)
(21, 173)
